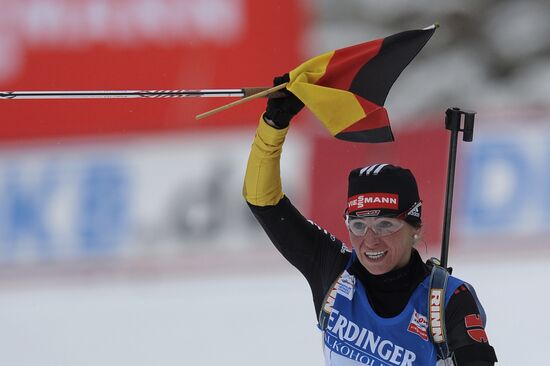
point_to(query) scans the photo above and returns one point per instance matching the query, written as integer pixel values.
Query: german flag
(346, 89)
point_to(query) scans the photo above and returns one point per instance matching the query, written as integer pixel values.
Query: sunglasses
(381, 226)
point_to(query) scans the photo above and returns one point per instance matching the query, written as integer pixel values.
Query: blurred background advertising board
(505, 189)
(171, 195)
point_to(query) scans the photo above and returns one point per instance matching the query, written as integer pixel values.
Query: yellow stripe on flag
(336, 109)
(311, 70)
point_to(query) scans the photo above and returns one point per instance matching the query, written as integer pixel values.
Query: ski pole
(109, 94)
(453, 123)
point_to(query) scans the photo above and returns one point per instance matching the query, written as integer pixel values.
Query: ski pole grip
(452, 119)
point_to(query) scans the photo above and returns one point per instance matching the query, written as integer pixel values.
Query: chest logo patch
(346, 285)
(419, 325)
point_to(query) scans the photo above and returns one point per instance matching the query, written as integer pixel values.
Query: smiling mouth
(375, 255)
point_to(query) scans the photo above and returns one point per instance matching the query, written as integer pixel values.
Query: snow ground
(234, 319)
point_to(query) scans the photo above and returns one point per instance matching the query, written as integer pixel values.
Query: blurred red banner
(149, 44)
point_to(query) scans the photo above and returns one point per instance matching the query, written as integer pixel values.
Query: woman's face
(382, 254)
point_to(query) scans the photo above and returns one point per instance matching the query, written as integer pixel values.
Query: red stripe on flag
(346, 63)
(377, 117)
